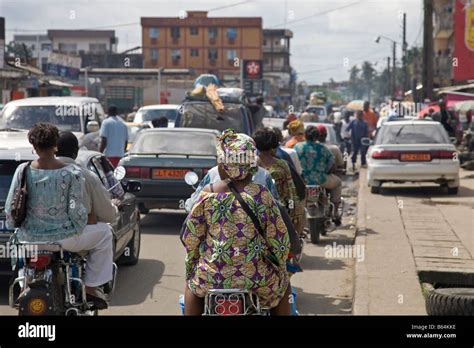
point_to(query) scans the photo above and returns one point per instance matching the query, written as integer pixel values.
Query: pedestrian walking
(113, 136)
(359, 129)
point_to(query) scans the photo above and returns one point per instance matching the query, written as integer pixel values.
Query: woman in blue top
(55, 210)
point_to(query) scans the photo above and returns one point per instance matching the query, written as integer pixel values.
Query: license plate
(408, 157)
(168, 173)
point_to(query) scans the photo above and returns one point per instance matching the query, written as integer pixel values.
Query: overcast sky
(326, 33)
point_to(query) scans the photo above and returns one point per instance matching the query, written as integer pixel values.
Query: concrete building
(75, 42)
(206, 44)
(279, 83)
(443, 41)
(40, 46)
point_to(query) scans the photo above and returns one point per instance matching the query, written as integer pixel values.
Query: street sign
(253, 69)
(64, 65)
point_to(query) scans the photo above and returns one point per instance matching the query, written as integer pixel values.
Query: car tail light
(41, 261)
(138, 172)
(443, 154)
(384, 154)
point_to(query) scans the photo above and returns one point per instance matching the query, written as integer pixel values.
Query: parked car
(79, 115)
(200, 113)
(126, 229)
(412, 151)
(159, 162)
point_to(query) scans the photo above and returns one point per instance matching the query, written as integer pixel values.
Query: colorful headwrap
(291, 117)
(237, 153)
(296, 127)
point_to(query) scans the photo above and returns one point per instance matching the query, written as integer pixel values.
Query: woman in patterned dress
(224, 249)
(267, 142)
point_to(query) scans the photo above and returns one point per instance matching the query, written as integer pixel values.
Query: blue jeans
(357, 146)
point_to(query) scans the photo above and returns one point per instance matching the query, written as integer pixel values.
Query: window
(194, 52)
(194, 30)
(212, 33)
(32, 47)
(176, 54)
(212, 54)
(154, 54)
(100, 47)
(154, 33)
(175, 32)
(231, 54)
(67, 48)
(264, 42)
(231, 34)
(46, 47)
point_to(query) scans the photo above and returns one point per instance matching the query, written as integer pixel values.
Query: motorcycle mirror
(191, 178)
(119, 172)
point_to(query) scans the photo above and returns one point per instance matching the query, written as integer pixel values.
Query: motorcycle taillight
(229, 305)
(40, 261)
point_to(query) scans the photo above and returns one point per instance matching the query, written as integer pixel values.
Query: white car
(151, 112)
(412, 151)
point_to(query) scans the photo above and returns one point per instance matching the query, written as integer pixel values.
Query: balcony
(276, 49)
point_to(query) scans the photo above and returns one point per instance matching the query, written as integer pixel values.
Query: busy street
(190, 161)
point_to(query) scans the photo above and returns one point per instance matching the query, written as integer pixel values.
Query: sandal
(98, 298)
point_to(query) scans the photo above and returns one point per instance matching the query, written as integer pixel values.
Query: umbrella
(356, 105)
(464, 106)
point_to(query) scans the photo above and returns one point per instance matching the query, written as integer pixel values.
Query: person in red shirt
(370, 117)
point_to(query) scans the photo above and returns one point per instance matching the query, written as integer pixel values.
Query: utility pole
(404, 43)
(389, 75)
(428, 50)
(394, 71)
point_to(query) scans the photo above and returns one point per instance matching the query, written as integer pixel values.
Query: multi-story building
(40, 46)
(75, 42)
(443, 41)
(206, 44)
(279, 84)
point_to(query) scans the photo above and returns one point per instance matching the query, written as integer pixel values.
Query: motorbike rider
(56, 210)
(336, 152)
(224, 248)
(100, 207)
(319, 166)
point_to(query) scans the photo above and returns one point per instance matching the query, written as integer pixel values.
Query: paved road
(155, 283)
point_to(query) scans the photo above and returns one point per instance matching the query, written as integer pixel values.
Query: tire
(450, 301)
(142, 209)
(316, 226)
(133, 248)
(375, 189)
(453, 190)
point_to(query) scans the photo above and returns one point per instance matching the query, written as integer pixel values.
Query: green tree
(368, 73)
(18, 50)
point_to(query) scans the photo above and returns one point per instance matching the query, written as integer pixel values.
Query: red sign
(463, 64)
(253, 69)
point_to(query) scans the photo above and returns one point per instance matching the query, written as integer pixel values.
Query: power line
(317, 14)
(227, 6)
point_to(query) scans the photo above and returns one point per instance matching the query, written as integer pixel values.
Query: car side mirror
(92, 126)
(132, 186)
(119, 172)
(366, 141)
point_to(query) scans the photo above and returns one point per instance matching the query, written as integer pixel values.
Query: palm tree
(368, 73)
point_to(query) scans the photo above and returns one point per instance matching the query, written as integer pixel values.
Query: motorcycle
(51, 279)
(320, 212)
(218, 302)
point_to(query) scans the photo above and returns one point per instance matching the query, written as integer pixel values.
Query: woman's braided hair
(43, 136)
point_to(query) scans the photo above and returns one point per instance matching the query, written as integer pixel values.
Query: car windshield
(66, 117)
(151, 114)
(203, 115)
(411, 134)
(191, 143)
(317, 111)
